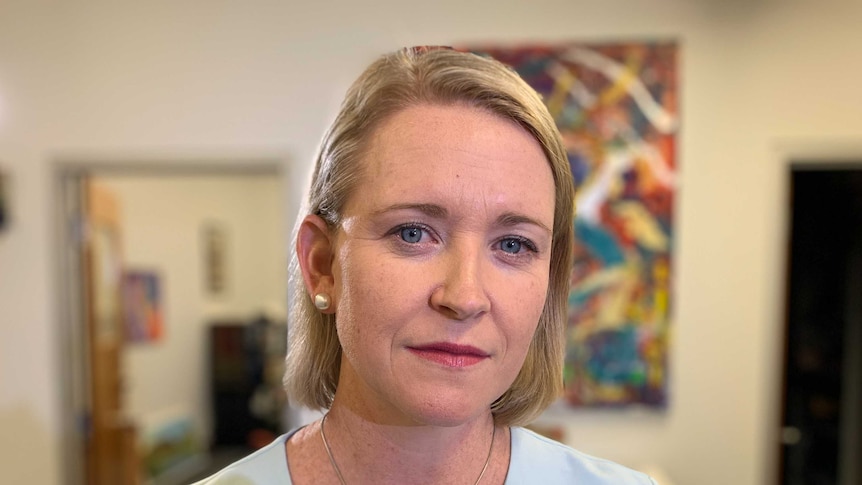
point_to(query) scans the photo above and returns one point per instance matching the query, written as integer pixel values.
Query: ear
(314, 249)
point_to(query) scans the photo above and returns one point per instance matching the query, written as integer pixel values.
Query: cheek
(368, 294)
(529, 293)
(529, 304)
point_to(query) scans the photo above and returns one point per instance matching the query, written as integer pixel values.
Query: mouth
(450, 355)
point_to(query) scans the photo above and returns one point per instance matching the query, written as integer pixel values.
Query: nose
(462, 293)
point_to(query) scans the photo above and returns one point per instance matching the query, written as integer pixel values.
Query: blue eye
(411, 234)
(512, 246)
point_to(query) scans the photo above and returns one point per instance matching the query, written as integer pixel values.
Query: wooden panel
(111, 450)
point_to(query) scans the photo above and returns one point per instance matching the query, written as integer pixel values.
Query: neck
(374, 451)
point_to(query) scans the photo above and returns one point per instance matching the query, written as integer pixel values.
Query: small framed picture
(214, 238)
(4, 201)
(142, 299)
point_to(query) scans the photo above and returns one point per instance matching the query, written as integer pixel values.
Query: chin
(447, 412)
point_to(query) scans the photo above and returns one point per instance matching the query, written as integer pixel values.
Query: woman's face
(441, 264)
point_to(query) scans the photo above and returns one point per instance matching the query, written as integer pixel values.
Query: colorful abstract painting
(142, 307)
(616, 107)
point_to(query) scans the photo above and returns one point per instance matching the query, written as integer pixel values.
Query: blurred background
(163, 148)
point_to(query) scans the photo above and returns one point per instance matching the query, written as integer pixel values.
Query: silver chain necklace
(341, 477)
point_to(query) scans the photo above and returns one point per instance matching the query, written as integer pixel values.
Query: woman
(432, 274)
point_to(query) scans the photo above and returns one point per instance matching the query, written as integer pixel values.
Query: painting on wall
(616, 107)
(142, 307)
(214, 240)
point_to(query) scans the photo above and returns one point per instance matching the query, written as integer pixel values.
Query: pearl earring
(321, 301)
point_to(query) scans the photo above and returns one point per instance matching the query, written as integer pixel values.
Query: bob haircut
(442, 76)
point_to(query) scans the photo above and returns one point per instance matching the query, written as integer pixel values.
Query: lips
(449, 354)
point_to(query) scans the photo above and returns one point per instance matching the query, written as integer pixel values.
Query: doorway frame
(788, 155)
(68, 232)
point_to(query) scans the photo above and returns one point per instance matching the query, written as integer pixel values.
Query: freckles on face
(441, 263)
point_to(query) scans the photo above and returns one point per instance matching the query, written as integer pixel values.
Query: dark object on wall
(246, 362)
(4, 196)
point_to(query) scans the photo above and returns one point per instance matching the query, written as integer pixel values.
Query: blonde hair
(394, 82)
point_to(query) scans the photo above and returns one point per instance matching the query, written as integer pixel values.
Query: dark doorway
(822, 399)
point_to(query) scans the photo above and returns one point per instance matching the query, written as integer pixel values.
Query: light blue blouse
(535, 459)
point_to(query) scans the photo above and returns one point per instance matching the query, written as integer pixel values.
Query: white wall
(161, 222)
(761, 82)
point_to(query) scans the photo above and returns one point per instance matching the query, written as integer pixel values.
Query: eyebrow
(431, 210)
(508, 219)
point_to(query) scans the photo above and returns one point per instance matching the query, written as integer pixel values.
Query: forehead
(436, 126)
(462, 158)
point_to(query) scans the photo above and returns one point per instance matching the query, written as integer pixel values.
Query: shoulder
(536, 459)
(266, 466)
